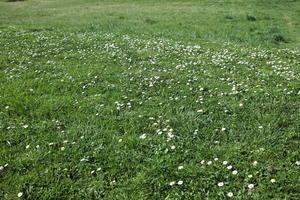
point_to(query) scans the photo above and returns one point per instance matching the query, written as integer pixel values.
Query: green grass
(215, 21)
(126, 99)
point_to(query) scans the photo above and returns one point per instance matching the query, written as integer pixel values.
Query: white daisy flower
(172, 183)
(273, 180)
(25, 126)
(220, 184)
(143, 136)
(235, 172)
(230, 194)
(20, 194)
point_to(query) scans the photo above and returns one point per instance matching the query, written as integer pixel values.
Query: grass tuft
(150, 21)
(251, 18)
(280, 38)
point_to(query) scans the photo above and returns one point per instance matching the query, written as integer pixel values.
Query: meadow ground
(150, 99)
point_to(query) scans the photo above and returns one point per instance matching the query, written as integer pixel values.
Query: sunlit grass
(135, 107)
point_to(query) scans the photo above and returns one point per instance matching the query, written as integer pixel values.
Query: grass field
(150, 99)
